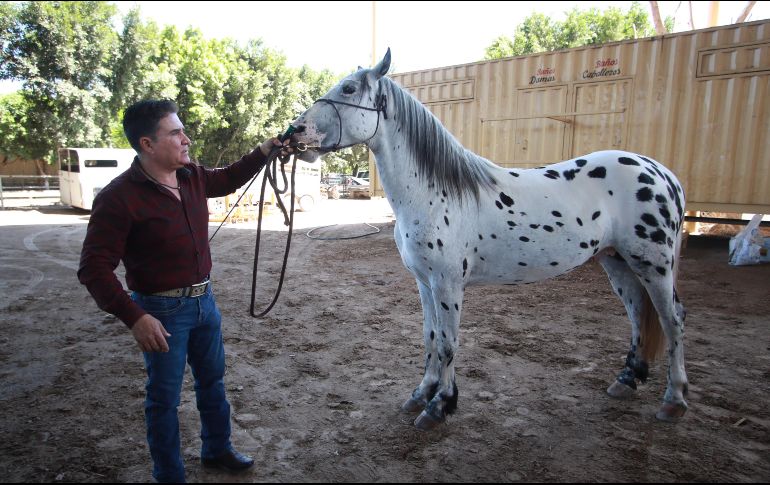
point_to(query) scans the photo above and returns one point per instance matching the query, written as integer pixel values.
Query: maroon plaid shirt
(162, 241)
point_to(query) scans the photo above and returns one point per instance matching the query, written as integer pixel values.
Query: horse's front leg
(443, 338)
(422, 395)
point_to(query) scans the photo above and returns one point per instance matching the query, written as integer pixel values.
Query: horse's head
(349, 114)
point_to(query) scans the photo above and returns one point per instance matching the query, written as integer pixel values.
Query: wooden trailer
(697, 101)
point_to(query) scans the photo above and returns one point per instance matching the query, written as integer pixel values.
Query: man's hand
(268, 145)
(150, 334)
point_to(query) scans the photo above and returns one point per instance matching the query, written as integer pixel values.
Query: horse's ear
(382, 68)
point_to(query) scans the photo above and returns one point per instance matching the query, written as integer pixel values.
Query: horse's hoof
(618, 390)
(671, 412)
(412, 406)
(426, 422)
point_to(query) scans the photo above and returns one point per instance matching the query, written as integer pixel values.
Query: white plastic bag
(748, 246)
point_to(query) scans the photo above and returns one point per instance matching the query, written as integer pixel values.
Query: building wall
(698, 101)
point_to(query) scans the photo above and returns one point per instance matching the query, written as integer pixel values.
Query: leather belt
(193, 291)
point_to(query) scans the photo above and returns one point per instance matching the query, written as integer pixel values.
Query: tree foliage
(79, 73)
(539, 33)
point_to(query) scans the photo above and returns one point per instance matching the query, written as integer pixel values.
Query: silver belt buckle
(198, 289)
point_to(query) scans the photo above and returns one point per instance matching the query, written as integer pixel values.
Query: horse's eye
(348, 89)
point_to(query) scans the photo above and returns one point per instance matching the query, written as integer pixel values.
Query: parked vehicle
(357, 188)
(83, 172)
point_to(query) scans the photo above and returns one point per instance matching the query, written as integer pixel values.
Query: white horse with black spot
(462, 220)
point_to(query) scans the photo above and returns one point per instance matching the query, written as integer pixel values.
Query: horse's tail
(652, 340)
(651, 337)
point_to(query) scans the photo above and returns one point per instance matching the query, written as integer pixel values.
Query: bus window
(101, 163)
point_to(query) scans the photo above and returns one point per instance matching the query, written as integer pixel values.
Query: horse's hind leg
(422, 395)
(631, 292)
(658, 281)
(672, 314)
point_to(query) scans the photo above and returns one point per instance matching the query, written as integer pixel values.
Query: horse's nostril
(300, 129)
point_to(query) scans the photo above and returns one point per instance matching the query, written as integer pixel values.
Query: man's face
(171, 145)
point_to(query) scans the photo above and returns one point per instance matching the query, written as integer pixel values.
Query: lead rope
(271, 175)
(288, 220)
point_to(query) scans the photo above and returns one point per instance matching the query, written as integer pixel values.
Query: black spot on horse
(552, 174)
(556, 213)
(658, 236)
(505, 199)
(641, 231)
(644, 194)
(650, 220)
(430, 245)
(514, 174)
(580, 223)
(499, 204)
(661, 199)
(446, 220)
(534, 226)
(645, 179)
(481, 237)
(493, 236)
(440, 244)
(511, 223)
(524, 239)
(570, 174)
(598, 173)
(522, 264)
(584, 245)
(628, 161)
(661, 270)
(432, 336)
(547, 228)
(444, 306)
(554, 263)
(595, 215)
(581, 162)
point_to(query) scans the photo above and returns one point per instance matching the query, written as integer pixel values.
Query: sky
(421, 35)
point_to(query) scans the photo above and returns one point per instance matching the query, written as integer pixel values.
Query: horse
(462, 220)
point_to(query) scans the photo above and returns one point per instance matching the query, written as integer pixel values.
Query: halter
(380, 106)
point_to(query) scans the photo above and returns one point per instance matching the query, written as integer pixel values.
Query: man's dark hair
(142, 118)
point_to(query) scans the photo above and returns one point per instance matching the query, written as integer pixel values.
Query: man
(154, 218)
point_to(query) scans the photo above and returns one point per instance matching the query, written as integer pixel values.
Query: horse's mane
(439, 157)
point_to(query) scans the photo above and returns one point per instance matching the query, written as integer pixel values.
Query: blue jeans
(196, 336)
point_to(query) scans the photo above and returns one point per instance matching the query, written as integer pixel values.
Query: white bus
(83, 172)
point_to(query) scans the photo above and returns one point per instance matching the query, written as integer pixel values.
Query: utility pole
(374, 33)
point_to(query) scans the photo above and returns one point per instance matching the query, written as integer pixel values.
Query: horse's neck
(397, 169)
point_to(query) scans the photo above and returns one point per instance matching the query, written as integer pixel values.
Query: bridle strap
(380, 106)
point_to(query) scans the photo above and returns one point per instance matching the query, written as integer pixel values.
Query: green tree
(61, 52)
(538, 33)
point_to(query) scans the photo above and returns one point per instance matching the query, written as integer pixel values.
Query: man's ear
(145, 143)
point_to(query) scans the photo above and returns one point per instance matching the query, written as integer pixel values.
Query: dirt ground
(316, 386)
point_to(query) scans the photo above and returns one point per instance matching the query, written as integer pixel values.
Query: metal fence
(16, 190)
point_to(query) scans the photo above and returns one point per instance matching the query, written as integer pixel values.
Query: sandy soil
(316, 386)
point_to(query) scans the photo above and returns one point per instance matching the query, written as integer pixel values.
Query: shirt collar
(137, 175)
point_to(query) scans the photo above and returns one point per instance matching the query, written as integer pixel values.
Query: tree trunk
(660, 29)
(746, 11)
